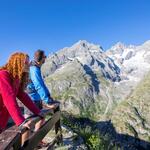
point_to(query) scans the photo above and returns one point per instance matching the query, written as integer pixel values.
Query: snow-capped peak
(84, 45)
(119, 45)
(133, 60)
(147, 43)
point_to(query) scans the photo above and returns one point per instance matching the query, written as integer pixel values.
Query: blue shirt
(37, 89)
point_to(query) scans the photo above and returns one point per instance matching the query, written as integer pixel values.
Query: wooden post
(9, 138)
(12, 136)
(40, 134)
(58, 129)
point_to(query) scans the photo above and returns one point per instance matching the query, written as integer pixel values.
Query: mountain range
(100, 84)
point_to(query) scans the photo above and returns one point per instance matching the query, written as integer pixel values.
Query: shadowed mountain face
(108, 132)
(87, 54)
(100, 85)
(79, 76)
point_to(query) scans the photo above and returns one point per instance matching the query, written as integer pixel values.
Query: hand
(51, 105)
(43, 121)
(27, 124)
(41, 115)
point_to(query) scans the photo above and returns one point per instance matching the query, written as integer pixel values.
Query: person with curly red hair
(13, 81)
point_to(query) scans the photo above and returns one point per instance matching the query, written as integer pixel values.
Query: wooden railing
(11, 138)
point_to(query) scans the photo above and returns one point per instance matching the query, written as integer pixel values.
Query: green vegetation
(132, 116)
(91, 137)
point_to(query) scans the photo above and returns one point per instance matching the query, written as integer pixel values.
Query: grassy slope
(132, 116)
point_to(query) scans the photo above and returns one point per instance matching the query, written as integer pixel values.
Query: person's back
(36, 88)
(31, 90)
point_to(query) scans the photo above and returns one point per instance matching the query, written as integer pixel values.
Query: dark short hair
(38, 55)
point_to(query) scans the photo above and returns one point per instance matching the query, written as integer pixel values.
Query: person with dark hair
(13, 80)
(37, 89)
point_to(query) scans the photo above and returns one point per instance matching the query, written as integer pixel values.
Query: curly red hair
(15, 66)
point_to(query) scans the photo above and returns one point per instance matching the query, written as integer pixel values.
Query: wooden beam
(34, 119)
(41, 133)
(9, 137)
(12, 136)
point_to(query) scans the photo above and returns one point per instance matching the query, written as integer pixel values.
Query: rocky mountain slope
(103, 85)
(132, 116)
(86, 77)
(82, 76)
(133, 62)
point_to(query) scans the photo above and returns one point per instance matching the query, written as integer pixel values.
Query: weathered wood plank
(58, 128)
(39, 135)
(9, 137)
(12, 136)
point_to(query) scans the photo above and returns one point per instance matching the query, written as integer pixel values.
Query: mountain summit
(84, 73)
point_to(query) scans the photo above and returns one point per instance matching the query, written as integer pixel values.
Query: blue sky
(27, 25)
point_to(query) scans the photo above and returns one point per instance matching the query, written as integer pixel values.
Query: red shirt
(8, 104)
